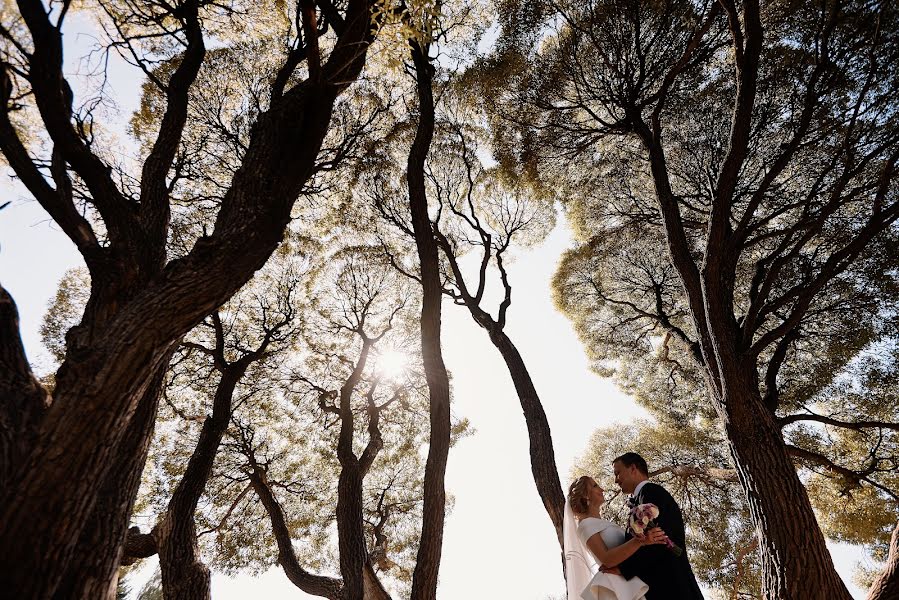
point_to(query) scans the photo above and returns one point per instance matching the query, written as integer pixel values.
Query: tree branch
(54, 101)
(154, 201)
(310, 583)
(56, 202)
(852, 478)
(24, 400)
(854, 425)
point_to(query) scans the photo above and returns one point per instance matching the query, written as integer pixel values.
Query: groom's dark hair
(632, 459)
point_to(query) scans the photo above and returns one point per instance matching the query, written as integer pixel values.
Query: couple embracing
(645, 561)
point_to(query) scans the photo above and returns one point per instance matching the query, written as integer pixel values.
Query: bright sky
(498, 540)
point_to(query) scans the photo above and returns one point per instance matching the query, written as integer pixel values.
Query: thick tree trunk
(92, 571)
(41, 530)
(350, 534)
(543, 460)
(795, 562)
(886, 586)
(427, 566)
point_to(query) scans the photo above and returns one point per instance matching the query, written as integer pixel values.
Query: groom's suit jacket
(669, 577)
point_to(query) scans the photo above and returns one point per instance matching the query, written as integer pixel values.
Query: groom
(669, 577)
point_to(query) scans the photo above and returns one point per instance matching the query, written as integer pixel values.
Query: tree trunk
(886, 586)
(424, 578)
(41, 530)
(374, 589)
(184, 576)
(543, 460)
(795, 562)
(92, 572)
(317, 585)
(183, 573)
(351, 536)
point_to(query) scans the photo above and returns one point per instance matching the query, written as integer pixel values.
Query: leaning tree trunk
(543, 460)
(374, 589)
(424, 578)
(92, 572)
(886, 586)
(184, 576)
(795, 562)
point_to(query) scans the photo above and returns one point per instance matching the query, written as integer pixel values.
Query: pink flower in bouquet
(642, 518)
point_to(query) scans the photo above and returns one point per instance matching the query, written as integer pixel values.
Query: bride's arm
(611, 557)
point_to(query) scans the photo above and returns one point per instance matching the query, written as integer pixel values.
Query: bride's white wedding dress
(607, 586)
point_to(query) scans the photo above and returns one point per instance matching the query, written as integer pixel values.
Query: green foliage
(122, 590)
(152, 590)
(285, 413)
(65, 311)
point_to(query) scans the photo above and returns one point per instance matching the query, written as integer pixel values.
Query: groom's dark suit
(669, 577)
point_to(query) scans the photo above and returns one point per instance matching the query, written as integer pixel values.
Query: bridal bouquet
(643, 517)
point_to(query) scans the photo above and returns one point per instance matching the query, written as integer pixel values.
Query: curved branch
(838, 262)
(310, 583)
(853, 478)
(58, 204)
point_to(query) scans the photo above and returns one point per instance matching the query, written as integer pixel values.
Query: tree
(424, 583)
(280, 463)
(478, 212)
(141, 303)
(731, 171)
(233, 348)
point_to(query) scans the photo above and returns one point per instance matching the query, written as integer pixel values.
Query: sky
(498, 542)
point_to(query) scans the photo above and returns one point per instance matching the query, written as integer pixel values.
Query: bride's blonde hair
(577, 494)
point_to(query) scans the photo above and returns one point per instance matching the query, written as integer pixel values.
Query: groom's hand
(653, 536)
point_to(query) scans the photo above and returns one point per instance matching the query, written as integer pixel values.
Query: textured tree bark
(92, 571)
(374, 589)
(543, 460)
(795, 562)
(351, 536)
(886, 586)
(424, 578)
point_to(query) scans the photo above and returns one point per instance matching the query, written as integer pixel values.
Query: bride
(592, 542)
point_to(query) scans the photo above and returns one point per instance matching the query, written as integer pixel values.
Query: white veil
(579, 563)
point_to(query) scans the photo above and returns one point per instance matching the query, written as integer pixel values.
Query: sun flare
(392, 364)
